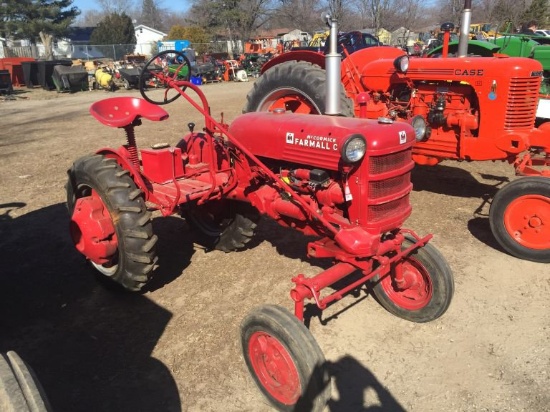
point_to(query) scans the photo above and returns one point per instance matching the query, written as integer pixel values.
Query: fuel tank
(315, 140)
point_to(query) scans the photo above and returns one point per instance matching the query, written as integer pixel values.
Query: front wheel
(285, 360)
(427, 287)
(109, 224)
(520, 218)
(294, 86)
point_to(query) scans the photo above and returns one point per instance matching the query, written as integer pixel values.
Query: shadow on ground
(90, 347)
(454, 181)
(357, 386)
(354, 388)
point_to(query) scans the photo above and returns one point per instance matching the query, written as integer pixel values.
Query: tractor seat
(123, 111)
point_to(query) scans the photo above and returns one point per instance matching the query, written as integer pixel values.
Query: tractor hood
(380, 75)
(315, 140)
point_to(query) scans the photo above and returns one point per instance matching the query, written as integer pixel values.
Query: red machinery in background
(463, 108)
(345, 181)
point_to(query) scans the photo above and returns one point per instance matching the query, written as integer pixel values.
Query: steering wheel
(157, 74)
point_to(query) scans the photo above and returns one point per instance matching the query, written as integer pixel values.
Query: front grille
(522, 103)
(389, 187)
(383, 188)
(389, 210)
(386, 163)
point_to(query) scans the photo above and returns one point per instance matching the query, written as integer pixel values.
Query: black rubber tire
(20, 390)
(307, 357)
(430, 260)
(524, 186)
(136, 255)
(293, 78)
(223, 224)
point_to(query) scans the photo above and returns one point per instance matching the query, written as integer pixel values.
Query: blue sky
(176, 5)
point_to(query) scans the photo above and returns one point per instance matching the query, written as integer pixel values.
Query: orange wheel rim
(527, 221)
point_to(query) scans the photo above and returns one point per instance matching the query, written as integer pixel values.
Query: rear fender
(298, 55)
(122, 157)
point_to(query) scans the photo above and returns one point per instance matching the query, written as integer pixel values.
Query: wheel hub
(92, 229)
(275, 368)
(527, 220)
(414, 290)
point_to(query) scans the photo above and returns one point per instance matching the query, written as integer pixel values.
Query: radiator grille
(522, 103)
(383, 188)
(383, 164)
(389, 188)
(389, 210)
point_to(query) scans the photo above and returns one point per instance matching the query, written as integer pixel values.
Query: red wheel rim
(291, 101)
(527, 221)
(274, 367)
(92, 229)
(416, 290)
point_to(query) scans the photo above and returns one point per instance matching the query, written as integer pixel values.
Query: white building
(146, 39)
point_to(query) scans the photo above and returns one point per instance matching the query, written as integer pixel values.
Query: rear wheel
(295, 86)
(285, 360)
(520, 218)
(223, 224)
(427, 289)
(20, 390)
(109, 221)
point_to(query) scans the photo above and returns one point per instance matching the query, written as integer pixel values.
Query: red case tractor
(462, 108)
(345, 181)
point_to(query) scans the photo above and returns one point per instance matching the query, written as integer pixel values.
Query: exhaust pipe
(332, 67)
(465, 29)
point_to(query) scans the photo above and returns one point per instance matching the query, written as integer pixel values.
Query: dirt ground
(176, 346)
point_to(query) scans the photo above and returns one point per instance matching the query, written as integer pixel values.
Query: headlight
(419, 125)
(354, 148)
(401, 64)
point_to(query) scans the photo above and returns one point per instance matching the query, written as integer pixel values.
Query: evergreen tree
(118, 30)
(37, 19)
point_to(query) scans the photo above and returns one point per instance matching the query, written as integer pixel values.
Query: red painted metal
(527, 165)
(92, 229)
(452, 94)
(527, 220)
(391, 265)
(315, 57)
(123, 111)
(274, 367)
(411, 288)
(355, 209)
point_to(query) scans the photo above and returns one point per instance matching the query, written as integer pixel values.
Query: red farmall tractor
(462, 108)
(345, 181)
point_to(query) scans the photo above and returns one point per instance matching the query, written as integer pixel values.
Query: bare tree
(232, 18)
(336, 10)
(90, 18)
(302, 14)
(377, 12)
(151, 14)
(115, 6)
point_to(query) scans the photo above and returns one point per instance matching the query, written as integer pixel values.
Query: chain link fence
(112, 51)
